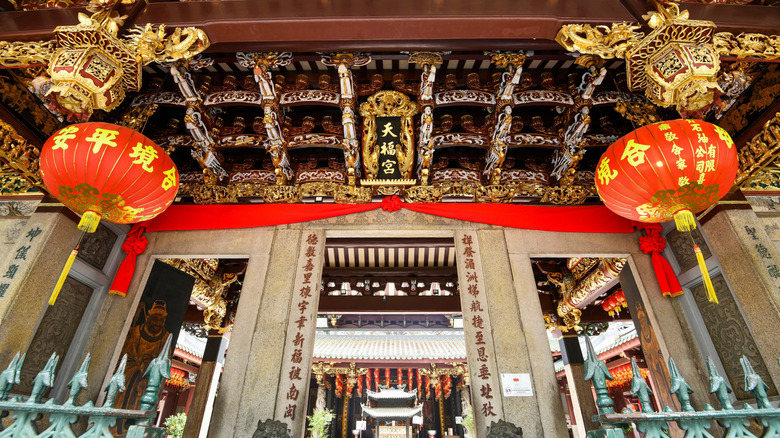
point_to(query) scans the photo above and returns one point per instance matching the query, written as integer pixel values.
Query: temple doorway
(588, 297)
(389, 353)
(188, 305)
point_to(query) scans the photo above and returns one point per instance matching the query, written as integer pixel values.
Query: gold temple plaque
(388, 138)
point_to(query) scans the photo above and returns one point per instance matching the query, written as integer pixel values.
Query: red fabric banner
(585, 219)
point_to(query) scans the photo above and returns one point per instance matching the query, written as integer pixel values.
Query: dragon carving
(151, 45)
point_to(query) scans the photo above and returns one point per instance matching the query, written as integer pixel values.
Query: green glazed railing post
(596, 371)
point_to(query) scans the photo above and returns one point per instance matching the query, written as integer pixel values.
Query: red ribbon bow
(134, 244)
(652, 243)
(391, 203)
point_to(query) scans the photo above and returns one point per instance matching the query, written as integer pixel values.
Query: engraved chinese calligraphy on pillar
(299, 343)
(485, 393)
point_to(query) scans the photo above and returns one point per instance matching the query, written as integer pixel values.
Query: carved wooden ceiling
(467, 97)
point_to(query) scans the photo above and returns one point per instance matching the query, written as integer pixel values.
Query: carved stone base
(271, 429)
(503, 429)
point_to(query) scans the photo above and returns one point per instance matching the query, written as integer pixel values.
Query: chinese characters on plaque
(300, 329)
(388, 132)
(18, 259)
(478, 320)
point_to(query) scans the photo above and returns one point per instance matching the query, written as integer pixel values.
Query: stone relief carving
(17, 208)
(731, 336)
(96, 247)
(681, 246)
(56, 330)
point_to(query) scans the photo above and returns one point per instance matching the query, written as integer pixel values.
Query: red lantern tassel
(705, 275)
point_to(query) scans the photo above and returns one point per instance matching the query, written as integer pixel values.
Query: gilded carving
(747, 45)
(12, 183)
(677, 62)
(90, 67)
(20, 100)
(760, 150)
(24, 53)
(763, 93)
(19, 154)
(423, 194)
(638, 113)
(567, 195)
(278, 193)
(388, 104)
(210, 289)
(494, 193)
(348, 194)
(604, 41)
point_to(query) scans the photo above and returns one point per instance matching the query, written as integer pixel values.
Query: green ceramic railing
(26, 415)
(695, 424)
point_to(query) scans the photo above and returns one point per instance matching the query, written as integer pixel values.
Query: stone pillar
(751, 264)
(28, 273)
(547, 393)
(583, 405)
(509, 335)
(478, 307)
(199, 414)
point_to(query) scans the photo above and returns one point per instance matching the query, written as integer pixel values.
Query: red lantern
(109, 172)
(668, 170)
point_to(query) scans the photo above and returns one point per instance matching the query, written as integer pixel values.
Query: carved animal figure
(10, 376)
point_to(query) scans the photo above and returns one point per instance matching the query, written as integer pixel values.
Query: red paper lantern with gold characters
(668, 170)
(108, 172)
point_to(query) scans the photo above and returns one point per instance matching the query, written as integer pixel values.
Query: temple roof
(397, 393)
(330, 345)
(392, 413)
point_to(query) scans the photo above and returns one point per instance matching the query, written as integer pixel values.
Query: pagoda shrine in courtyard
(442, 218)
(392, 412)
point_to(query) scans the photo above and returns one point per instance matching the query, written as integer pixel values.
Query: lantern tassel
(705, 275)
(89, 222)
(63, 276)
(65, 270)
(685, 220)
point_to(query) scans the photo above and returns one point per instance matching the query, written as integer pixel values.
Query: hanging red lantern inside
(108, 172)
(668, 170)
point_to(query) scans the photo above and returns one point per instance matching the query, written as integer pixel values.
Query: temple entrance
(589, 297)
(389, 353)
(188, 305)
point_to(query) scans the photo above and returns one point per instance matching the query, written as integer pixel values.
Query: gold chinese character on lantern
(634, 152)
(604, 173)
(65, 134)
(170, 178)
(102, 137)
(144, 155)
